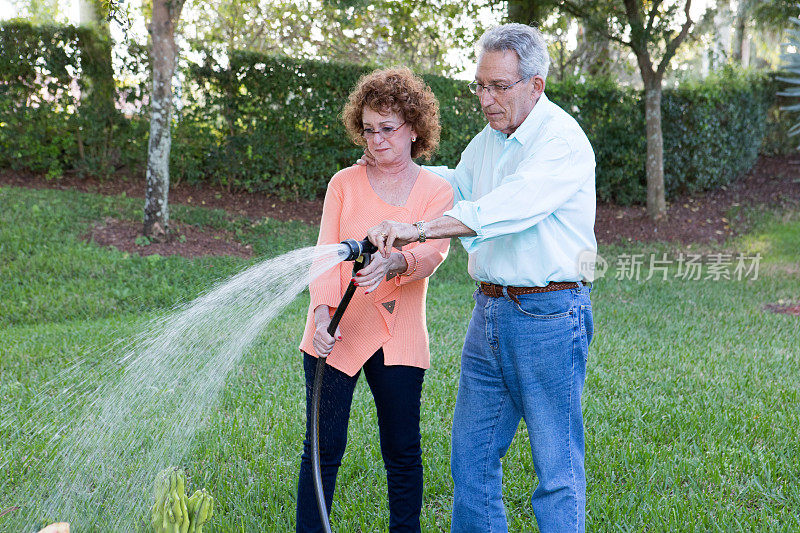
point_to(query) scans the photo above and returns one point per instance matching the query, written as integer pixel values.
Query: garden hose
(360, 253)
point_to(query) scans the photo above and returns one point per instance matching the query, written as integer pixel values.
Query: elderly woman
(396, 117)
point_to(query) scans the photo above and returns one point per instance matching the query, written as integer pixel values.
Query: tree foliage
(39, 11)
(383, 32)
(532, 12)
(773, 13)
(653, 30)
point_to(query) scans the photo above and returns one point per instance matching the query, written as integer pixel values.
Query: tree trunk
(163, 56)
(93, 13)
(656, 201)
(739, 35)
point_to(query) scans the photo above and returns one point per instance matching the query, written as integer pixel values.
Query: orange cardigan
(393, 315)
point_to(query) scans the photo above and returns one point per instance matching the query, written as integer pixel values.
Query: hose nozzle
(356, 249)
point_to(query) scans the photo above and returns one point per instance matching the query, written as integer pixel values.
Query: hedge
(271, 123)
(715, 130)
(282, 134)
(57, 101)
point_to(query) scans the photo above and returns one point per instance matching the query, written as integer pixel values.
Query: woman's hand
(379, 269)
(323, 342)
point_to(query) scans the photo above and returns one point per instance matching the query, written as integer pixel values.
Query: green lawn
(691, 399)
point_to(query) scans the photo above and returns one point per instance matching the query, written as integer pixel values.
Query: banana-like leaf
(791, 65)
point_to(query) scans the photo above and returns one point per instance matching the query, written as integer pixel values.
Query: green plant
(169, 513)
(172, 512)
(779, 121)
(713, 129)
(201, 509)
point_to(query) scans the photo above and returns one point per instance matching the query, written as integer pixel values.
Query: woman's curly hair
(399, 90)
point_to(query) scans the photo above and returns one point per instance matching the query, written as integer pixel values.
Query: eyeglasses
(493, 89)
(386, 131)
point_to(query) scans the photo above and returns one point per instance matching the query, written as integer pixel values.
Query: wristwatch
(421, 229)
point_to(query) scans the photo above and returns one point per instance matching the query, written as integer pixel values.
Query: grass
(691, 398)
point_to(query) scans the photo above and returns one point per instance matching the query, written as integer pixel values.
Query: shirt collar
(530, 126)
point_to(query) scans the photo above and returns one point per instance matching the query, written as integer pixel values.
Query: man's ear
(538, 86)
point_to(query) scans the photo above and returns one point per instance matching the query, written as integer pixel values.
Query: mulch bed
(793, 310)
(252, 205)
(186, 240)
(773, 181)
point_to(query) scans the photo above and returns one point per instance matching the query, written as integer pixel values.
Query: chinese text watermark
(683, 266)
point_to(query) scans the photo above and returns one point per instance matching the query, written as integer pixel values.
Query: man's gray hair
(525, 40)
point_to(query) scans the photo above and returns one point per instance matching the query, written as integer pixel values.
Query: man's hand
(366, 160)
(389, 233)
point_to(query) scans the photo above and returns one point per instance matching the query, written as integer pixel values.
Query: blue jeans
(522, 361)
(397, 391)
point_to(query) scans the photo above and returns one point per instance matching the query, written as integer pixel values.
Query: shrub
(613, 118)
(271, 123)
(713, 130)
(57, 95)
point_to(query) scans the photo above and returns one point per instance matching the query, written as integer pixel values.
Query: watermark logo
(684, 266)
(591, 265)
(690, 267)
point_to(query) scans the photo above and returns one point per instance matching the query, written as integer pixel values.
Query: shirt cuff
(467, 213)
(412, 263)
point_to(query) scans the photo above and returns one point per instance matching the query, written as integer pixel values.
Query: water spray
(107, 423)
(360, 252)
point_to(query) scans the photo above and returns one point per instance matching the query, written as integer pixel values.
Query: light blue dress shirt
(530, 198)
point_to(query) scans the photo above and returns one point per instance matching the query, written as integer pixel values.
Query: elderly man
(525, 207)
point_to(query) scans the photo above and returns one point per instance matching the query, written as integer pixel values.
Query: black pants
(397, 391)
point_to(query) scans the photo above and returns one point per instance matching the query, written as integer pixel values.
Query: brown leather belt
(496, 291)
